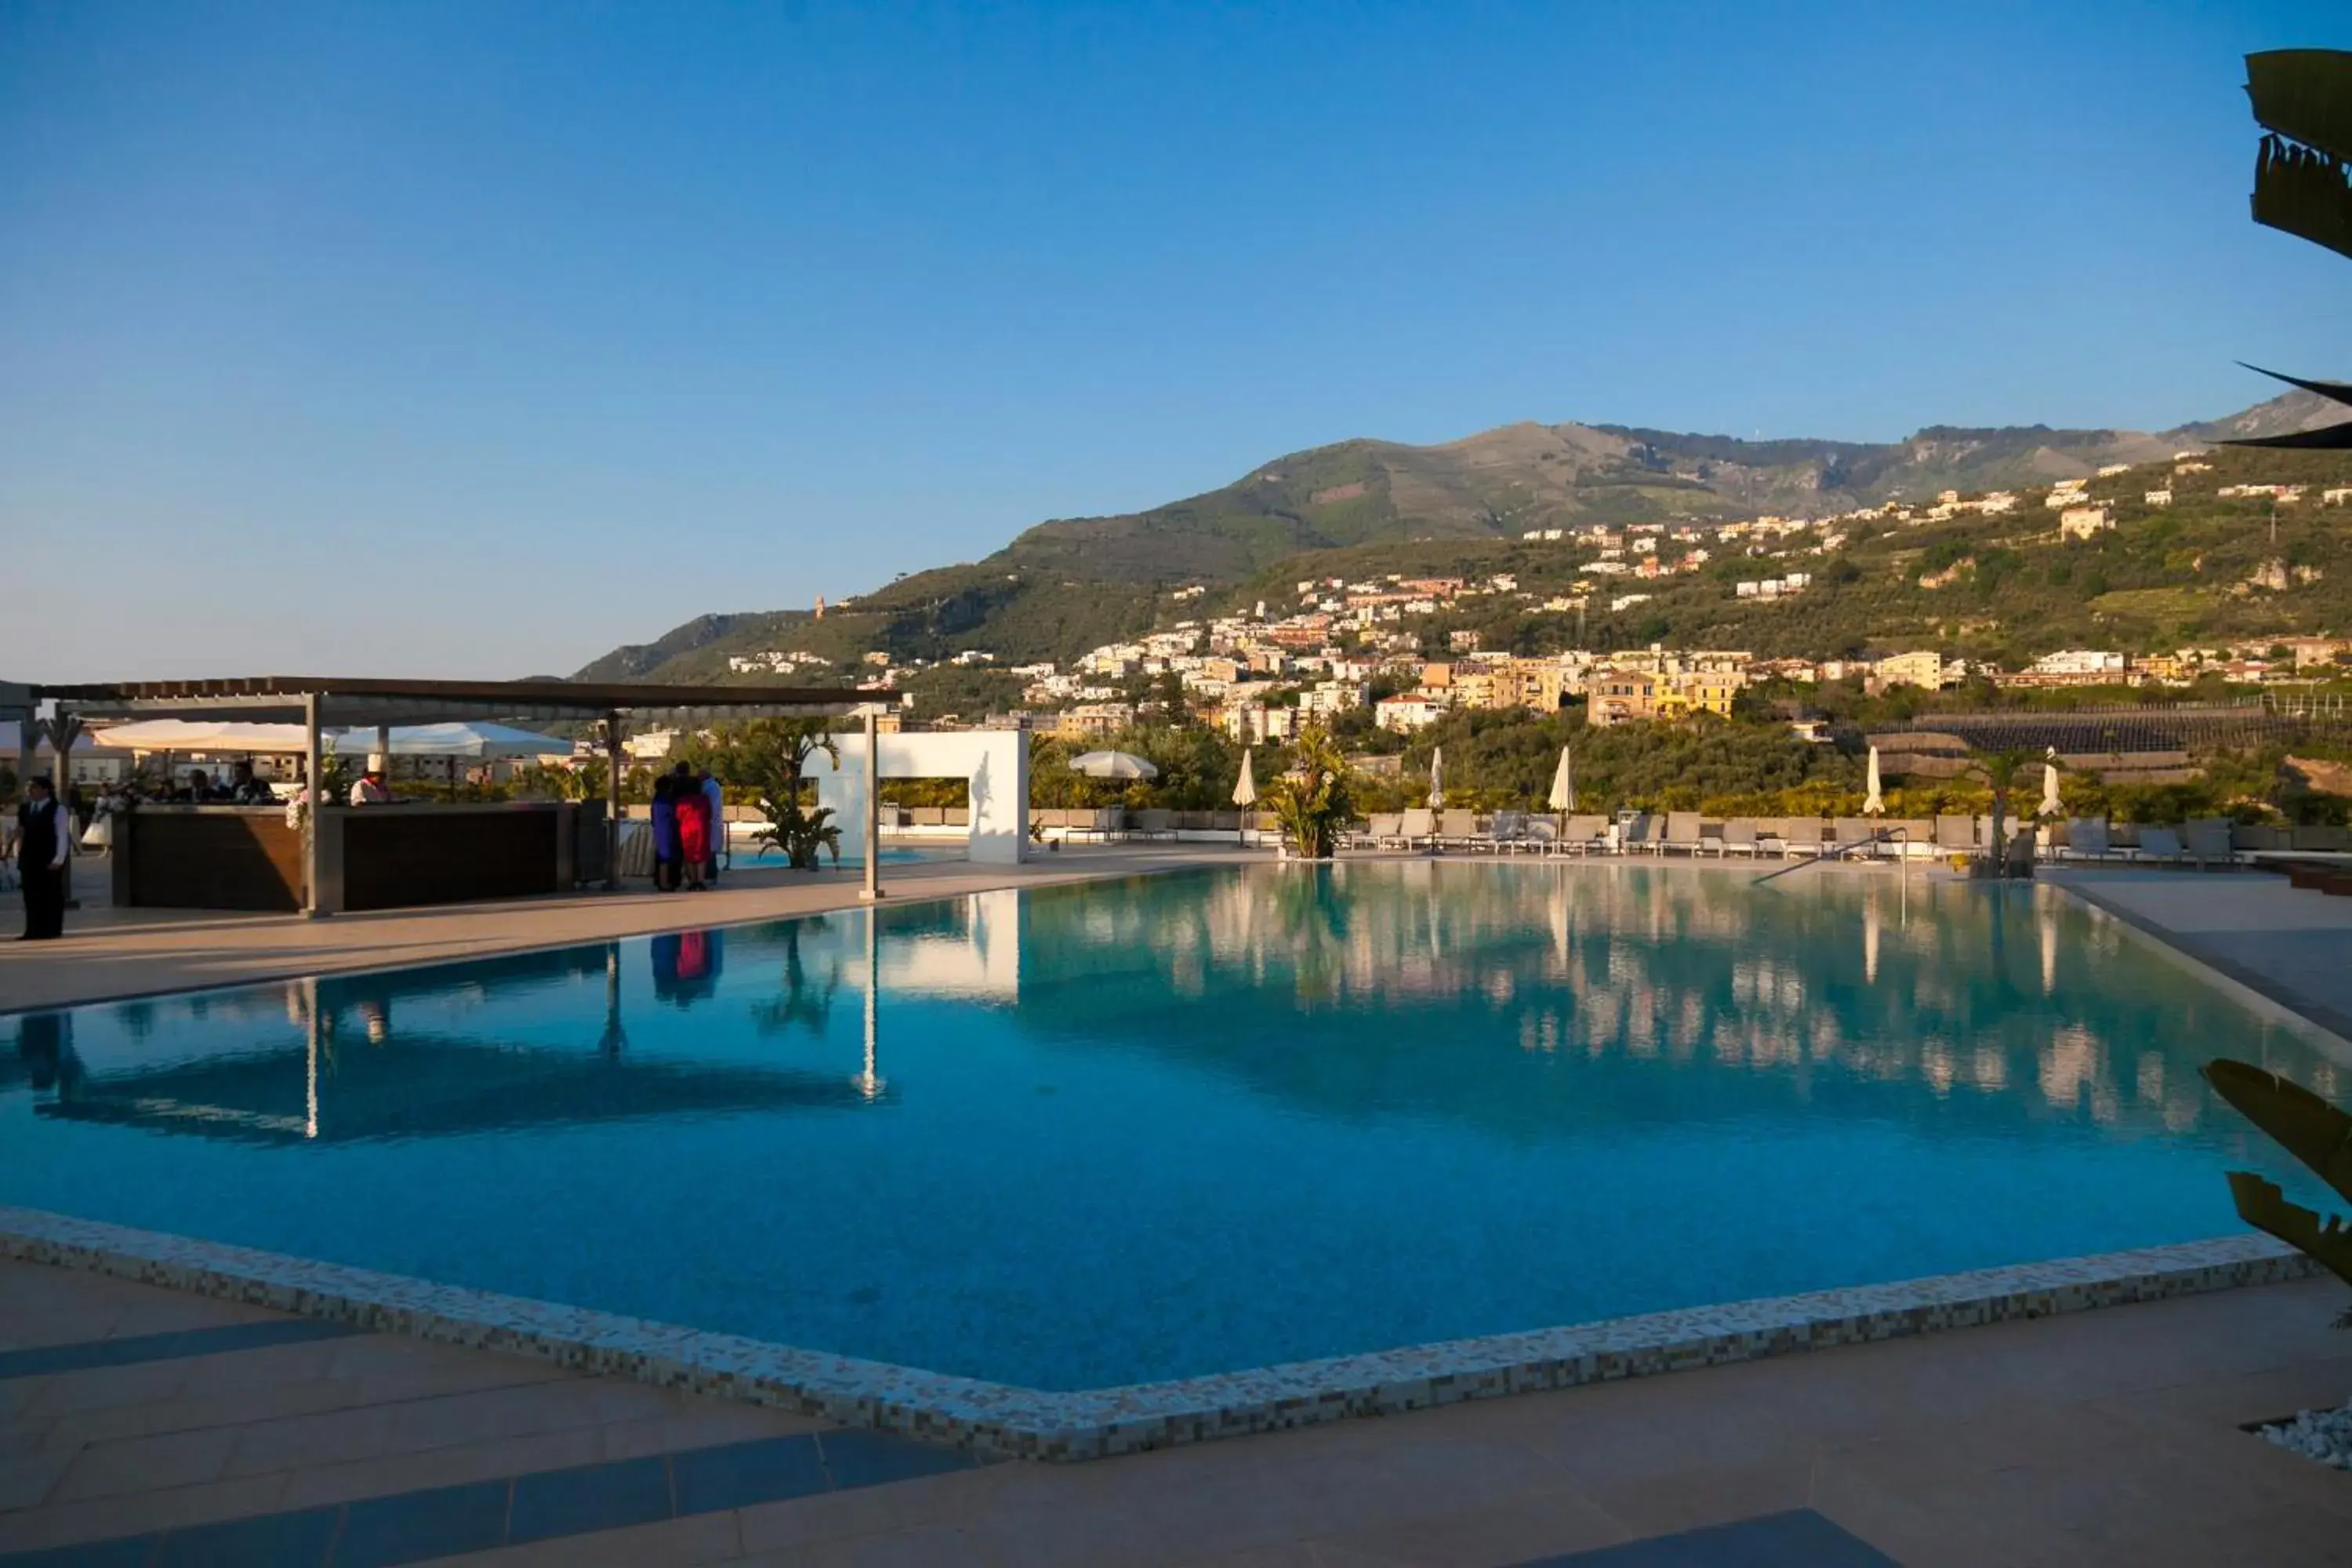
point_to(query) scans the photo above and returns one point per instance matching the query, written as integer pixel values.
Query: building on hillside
(2066, 493)
(2157, 497)
(1619, 697)
(1679, 697)
(1094, 721)
(2110, 471)
(1924, 668)
(1408, 711)
(1334, 697)
(2336, 494)
(2083, 522)
(2072, 667)
(1257, 723)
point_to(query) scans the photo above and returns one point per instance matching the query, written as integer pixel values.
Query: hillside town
(1334, 645)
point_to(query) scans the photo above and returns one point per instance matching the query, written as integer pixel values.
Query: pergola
(321, 703)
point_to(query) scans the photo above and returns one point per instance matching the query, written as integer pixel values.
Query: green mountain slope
(1366, 507)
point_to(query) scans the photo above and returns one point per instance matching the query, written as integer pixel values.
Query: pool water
(1114, 1133)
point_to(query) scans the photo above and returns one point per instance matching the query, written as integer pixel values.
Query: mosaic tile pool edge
(1003, 1421)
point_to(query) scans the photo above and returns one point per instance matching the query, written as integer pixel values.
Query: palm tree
(2000, 771)
(1312, 799)
(769, 758)
(2302, 98)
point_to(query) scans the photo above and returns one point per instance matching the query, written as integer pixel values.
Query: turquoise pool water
(1197, 1122)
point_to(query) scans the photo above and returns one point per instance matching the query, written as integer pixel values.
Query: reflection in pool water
(1116, 1131)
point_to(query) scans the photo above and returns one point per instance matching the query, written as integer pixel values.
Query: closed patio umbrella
(1873, 804)
(2050, 805)
(1437, 778)
(1113, 765)
(1245, 792)
(1563, 784)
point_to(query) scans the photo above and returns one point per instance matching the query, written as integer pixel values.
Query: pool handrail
(1838, 852)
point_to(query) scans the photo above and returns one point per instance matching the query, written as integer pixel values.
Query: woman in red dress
(693, 834)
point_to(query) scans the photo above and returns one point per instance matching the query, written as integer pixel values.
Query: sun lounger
(1684, 831)
(1385, 830)
(1584, 834)
(1956, 833)
(1641, 836)
(1850, 833)
(2160, 844)
(1458, 829)
(2087, 838)
(1542, 836)
(2207, 839)
(1507, 831)
(1801, 835)
(1152, 824)
(1739, 837)
(1418, 828)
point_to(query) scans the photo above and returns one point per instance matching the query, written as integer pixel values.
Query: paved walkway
(110, 952)
(2106, 1437)
(2292, 945)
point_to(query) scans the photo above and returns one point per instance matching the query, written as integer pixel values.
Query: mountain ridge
(1069, 582)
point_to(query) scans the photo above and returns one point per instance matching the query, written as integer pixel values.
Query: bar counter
(370, 857)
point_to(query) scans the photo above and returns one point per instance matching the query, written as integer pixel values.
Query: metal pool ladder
(1838, 851)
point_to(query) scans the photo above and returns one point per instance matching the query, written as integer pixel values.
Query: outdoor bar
(334, 858)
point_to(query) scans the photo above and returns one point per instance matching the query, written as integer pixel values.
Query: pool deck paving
(2104, 1437)
(139, 1425)
(110, 952)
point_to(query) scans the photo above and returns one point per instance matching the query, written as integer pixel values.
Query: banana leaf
(2304, 95)
(2302, 193)
(2305, 1125)
(2264, 1205)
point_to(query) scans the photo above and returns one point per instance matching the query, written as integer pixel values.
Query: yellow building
(1680, 697)
(1620, 697)
(1923, 669)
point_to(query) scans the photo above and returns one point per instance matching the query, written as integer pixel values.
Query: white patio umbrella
(2050, 803)
(1437, 778)
(1113, 765)
(1873, 804)
(1245, 792)
(1563, 784)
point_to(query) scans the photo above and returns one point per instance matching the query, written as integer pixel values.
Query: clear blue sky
(477, 339)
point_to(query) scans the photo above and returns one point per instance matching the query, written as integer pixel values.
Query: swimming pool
(1099, 1134)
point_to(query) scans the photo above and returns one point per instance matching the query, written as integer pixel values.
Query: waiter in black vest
(44, 836)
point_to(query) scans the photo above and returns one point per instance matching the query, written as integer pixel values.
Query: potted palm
(1311, 802)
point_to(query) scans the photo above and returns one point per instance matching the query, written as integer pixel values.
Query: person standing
(716, 799)
(44, 838)
(693, 832)
(665, 825)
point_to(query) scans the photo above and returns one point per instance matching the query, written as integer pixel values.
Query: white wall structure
(995, 761)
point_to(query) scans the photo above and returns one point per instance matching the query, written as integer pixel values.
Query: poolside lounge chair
(1583, 834)
(2087, 838)
(1684, 831)
(1851, 832)
(1458, 829)
(1956, 833)
(2207, 839)
(2160, 844)
(1152, 824)
(1418, 828)
(1641, 836)
(1739, 837)
(1801, 835)
(1507, 831)
(1386, 830)
(1542, 835)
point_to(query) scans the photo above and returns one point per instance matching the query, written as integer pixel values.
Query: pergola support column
(612, 800)
(873, 888)
(314, 769)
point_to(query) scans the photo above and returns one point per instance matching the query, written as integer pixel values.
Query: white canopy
(1436, 777)
(209, 736)
(1873, 803)
(471, 739)
(203, 736)
(1246, 787)
(1563, 784)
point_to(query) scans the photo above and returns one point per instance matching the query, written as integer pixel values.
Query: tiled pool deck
(2287, 1507)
